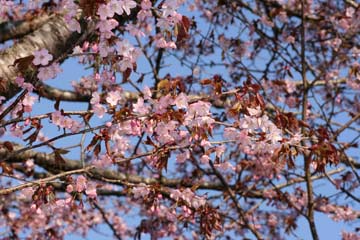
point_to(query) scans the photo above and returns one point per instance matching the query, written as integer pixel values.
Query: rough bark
(18, 29)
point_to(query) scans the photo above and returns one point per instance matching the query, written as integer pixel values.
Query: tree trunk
(54, 36)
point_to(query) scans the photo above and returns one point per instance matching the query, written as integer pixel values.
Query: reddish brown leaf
(126, 75)
(206, 81)
(97, 149)
(9, 146)
(24, 64)
(6, 168)
(108, 147)
(94, 140)
(182, 29)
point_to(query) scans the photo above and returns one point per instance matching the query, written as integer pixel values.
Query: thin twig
(44, 180)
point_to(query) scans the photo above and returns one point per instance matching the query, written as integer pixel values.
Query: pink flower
(27, 193)
(103, 161)
(106, 11)
(181, 101)
(169, 8)
(80, 184)
(219, 150)
(198, 114)
(134, 30)
(350, 236)
(225, 166)
(75, 126)
(290, 39)
(204, 159)
(20, 81)
(57, 117)
(65, 122)
(162, 104)
(104, 49)
(127, 5)
(73, 24)
(95, 98)
(69, 188)
(142, 15)
(165, 24)
(91, 191)
(344, 24)
(107, 25)
(42, 57)
(79, 51)
(165, 132)
(272, 220)
(140, 191)
(350, 12)
(125, 64)
(230, 133)
(29, 164)
(255, 112)
(16, 130)
(124, 48)
(115, 5)
(182, 157)
(162, 43)
(147, 93)
(113, 97)
(140, 108)
(28, 102)
(199, 108)
(49, 72)
(205, 143)
(99, 110)
(145, 4)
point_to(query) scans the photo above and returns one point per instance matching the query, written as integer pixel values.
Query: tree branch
(18, 29)
(44, 180)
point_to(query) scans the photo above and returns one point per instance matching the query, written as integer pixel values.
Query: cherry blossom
(127, 5)
(81, 184)
(181, 101)
(140, 108)
(42, 57)
(107, 10)
(20, 81)
(113, 97)
(140, 191)
(49, 72)
(28, 102)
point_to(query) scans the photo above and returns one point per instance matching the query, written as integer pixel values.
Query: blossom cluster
(65, 122)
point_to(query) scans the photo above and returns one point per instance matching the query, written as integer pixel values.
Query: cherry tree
(189, 119)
